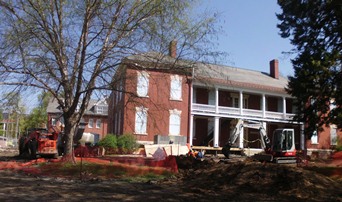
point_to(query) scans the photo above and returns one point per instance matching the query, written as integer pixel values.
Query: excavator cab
(283, 142)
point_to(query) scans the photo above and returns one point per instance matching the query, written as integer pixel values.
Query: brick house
(150, 99)
(96, 117)
(160, 96)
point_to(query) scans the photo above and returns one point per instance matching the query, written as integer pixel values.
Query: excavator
(280, 150)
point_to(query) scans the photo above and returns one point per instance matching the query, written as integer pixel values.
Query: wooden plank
(213, 148)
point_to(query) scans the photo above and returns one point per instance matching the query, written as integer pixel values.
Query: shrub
(127, 143)
(109, 142)
(339, 144)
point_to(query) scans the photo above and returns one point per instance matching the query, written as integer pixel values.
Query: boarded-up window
(141, 120)
(142, 84)
(176, 87)
(175, 121)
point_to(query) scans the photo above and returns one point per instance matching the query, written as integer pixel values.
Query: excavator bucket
(263, 157)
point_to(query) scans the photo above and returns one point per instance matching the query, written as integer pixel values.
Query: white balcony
(211, 110)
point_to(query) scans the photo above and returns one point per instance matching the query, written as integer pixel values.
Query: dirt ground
(236, 179)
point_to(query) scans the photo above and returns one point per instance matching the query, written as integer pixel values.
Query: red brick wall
(158, 104)
(272, 104)
(324, 141)
(200, 131)
(224, 99)
(102, 131)
(254, 102)
(202, 96)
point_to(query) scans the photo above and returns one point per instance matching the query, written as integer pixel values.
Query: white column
(241, 102)
(191, 124)
(263, 105)
(241, 139)
(191, 129)
(216, 131)
(216, 100)
(284, 107)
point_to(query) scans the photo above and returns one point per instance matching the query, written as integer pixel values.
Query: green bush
(109, 142)
(127, 143)
(339, 145)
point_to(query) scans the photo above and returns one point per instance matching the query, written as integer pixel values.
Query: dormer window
(101, 109)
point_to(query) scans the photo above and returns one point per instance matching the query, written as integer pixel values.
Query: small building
(96, 117)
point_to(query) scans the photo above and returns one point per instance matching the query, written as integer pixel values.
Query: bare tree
(73, 48)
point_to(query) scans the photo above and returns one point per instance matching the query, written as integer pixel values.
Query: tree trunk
(69, 132)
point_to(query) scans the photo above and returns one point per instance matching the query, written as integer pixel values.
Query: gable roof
(211, 74)
(53, 106)
(238, 77)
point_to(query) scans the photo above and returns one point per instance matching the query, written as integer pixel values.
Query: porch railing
(231, 111)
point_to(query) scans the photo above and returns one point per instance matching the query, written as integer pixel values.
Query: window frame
(175, 127)
(142, 83)
(91, 123)
(176, 87)
(333, 135)
(98, 123)
(314, 137)
(140, 119)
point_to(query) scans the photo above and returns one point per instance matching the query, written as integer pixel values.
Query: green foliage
(38, 54)
(127, 142)
(109, 142)
(38, 115)
(339, 145)
(123, 144)
(314, 28)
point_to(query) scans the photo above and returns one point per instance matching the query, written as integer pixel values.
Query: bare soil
(236, 179)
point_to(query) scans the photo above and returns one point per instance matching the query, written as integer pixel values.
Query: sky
(251, 36)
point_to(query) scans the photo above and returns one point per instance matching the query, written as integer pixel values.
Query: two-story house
(151, 98)
(96, 117)
(159, 95)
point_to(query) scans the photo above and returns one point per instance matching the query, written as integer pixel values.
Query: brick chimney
(274, 69)
(173, 48)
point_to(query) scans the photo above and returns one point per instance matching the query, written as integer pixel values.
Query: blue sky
(251, 35)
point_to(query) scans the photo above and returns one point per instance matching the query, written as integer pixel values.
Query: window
(142, 84)
(141, 120)
(175, 121)
(176, 87)
(98, 123)
(333, 134)
(314, 138)
(101, 109)
(236, 100)
(91, 123)
(53, 122)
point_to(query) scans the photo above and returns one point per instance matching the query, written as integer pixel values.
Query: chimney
(274, 69)
(173, 48)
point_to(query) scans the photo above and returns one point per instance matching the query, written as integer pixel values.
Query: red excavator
(280, 150)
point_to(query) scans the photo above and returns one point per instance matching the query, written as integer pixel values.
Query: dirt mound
(241, 181)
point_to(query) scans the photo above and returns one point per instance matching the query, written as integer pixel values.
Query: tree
(11, 104)
(38, 116)
(73, 48)
(315, 29)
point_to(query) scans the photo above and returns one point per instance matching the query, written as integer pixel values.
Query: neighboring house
(160, 96)
(96, 117)
(322, 142)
